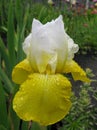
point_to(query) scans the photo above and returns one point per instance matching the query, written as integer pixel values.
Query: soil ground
(87, 61)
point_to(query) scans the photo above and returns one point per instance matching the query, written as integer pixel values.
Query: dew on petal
(15, 106)
(21, 98)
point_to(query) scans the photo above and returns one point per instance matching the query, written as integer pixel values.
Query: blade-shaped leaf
(10, 35)
(6, 81)
(14, 119)
(19, 18)
(2, 127)
(4, 55)
(3, 108)
(25, 125)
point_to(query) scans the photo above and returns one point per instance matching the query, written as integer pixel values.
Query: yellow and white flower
(50, 2)
(44, 94)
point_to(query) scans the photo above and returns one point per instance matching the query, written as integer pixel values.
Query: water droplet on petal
(21, 98)
(15, 106)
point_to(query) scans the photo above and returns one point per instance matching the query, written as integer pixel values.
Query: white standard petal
(27, 43)
(36, 25)
(48, 45)
(72, 48)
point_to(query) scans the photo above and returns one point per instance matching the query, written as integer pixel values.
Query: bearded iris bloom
(44, 93)
(50, 2)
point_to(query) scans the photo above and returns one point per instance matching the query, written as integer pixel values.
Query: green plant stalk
(10, 35)
(3, 108)
(6, 80)
(4, 55)
(36, 126)
(43, 128)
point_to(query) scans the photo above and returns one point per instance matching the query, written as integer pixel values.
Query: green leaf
(18, 12)
(20, 33)
(3, 108)
(6, 81)
(3, 51)
(2, 127)
(14, 119)
(19, 18)
(10, 35)
(42, 13)
(25, 125)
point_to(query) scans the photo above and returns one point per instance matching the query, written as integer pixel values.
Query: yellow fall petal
(43, 98)
(21, 71)
(77, 72)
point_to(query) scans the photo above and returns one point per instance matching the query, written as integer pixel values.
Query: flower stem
(36, 126)
(43, 127)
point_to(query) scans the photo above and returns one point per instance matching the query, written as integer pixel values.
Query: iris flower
(44, 93)
(50, 2)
